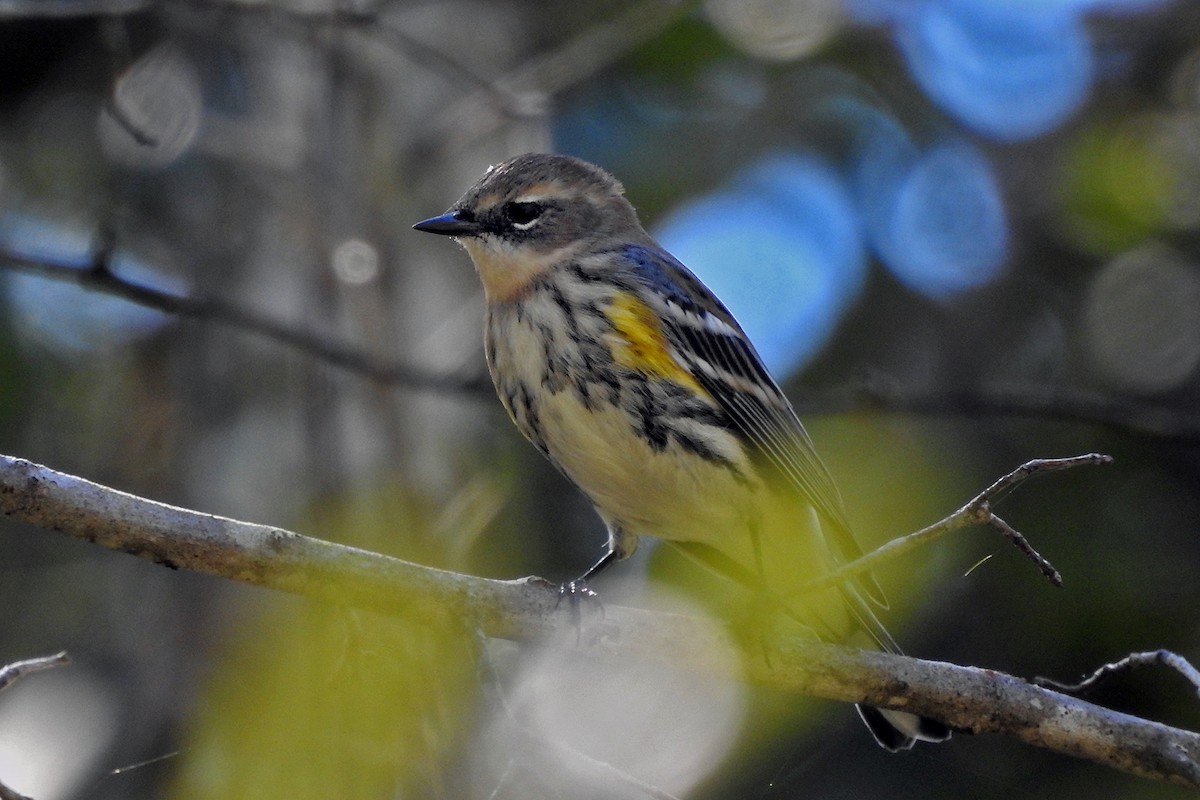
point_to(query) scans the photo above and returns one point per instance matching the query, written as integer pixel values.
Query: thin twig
(18, 669)
(1006, 484)
(1021, 543)
(976, 512)
(1128, 664)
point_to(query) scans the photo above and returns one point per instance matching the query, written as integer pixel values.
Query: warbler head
(535, 212)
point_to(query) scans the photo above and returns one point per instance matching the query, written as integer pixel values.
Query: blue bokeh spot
(1009, 71)
(936, 219)
(65, 315)
(782, 249)
(882, 11)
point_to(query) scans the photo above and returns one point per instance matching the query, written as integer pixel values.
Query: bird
(625, 371)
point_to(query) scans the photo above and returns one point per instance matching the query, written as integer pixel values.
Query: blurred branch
(1011, 400)
(1026, 401)
(593, 49)
(978, 511)
(372, 23)
(519, 93)
(38, 9)
(99, 276)
(1023, 401)
(10, 794)
(548, 73)
(10, 673)
(966, 698)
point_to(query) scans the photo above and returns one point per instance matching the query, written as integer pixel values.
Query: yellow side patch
(642, 346)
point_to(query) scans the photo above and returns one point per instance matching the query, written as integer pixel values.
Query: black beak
(452, 223)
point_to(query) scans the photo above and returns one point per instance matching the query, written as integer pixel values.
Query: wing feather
(718, 353)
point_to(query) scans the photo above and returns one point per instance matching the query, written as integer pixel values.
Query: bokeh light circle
(781, 247)
(1142, 319)
(776, 30)
(1011, 72)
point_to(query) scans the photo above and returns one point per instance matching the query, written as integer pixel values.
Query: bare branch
(1034, 466)
(10, 673)
(1022, 544)
(964, 697)
(976, 512)
(1128, 664)
(270, 557)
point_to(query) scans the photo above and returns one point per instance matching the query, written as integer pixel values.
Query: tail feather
(893, 730)
(899, 730)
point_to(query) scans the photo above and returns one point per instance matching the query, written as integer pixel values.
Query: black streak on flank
(649, 427)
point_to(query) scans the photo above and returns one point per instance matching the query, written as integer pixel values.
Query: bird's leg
(620, 546)
(579, 585)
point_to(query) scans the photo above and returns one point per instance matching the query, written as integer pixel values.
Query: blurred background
(963, 233)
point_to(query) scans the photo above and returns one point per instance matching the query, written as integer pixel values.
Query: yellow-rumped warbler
(626, 372)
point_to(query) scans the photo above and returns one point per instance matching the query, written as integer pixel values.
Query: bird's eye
(523, 215)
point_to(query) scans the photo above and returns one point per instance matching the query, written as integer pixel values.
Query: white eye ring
(517, 211)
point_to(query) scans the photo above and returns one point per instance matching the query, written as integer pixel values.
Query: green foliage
(319, 702)
(1117, 189)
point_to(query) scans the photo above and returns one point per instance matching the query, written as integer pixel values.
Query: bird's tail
(894, 730)
(899, 730)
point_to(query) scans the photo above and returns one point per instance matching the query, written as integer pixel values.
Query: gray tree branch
(967, 698)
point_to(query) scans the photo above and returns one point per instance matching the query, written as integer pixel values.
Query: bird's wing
(718, 353)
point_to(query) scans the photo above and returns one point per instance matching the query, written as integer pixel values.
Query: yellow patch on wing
(641, 344)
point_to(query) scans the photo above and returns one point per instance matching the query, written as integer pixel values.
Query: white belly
(672, 494)
(685, 499)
